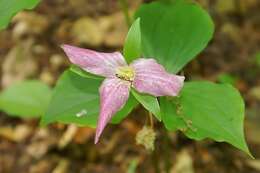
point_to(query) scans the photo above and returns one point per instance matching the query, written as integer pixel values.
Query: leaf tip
(247, 151)
(43, 122)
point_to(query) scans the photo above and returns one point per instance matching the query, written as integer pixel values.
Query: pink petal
(152, 78)
(98, 63)
(114, 93)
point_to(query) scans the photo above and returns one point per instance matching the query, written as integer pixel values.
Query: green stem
(151, 119)
(124, 6)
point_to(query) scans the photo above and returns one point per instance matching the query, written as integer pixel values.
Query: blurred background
(29, 49)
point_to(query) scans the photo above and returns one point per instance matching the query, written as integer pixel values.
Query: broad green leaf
(133, 47)
(25, 99)
(174, 32)
(170, 118)
(149, 102)
(83, 73)
(209, 110)
(227, 79)
(76, 100)
(8, 8)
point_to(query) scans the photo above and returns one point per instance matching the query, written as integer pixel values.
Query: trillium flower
(144, 75)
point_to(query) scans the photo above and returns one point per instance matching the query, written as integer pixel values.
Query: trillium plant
(144, 75)
(101, 88)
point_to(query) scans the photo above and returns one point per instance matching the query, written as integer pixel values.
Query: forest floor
(29, 49)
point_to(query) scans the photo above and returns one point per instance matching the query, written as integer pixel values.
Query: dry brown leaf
(86, 30)
(17, 133)
(19, 63)
(184, 163)
(29, 23)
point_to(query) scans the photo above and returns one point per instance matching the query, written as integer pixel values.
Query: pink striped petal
(114, 93)
(152, 78)
(98, 63)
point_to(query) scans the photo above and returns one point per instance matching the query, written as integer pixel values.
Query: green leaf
(25, 99)
(76, 100)
(8, 8)
(227, 79)
(132, 47)
(83, 73)
(149, 102)
(174, 32)
(209, 110)
(170, 118)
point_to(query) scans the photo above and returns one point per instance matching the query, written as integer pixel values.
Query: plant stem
(124, 6)
(151, 119)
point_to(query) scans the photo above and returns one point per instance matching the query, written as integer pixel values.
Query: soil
(35, 36)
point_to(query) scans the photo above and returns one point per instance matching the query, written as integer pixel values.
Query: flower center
(125, 73)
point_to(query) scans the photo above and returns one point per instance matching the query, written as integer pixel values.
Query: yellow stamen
(125, 73)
